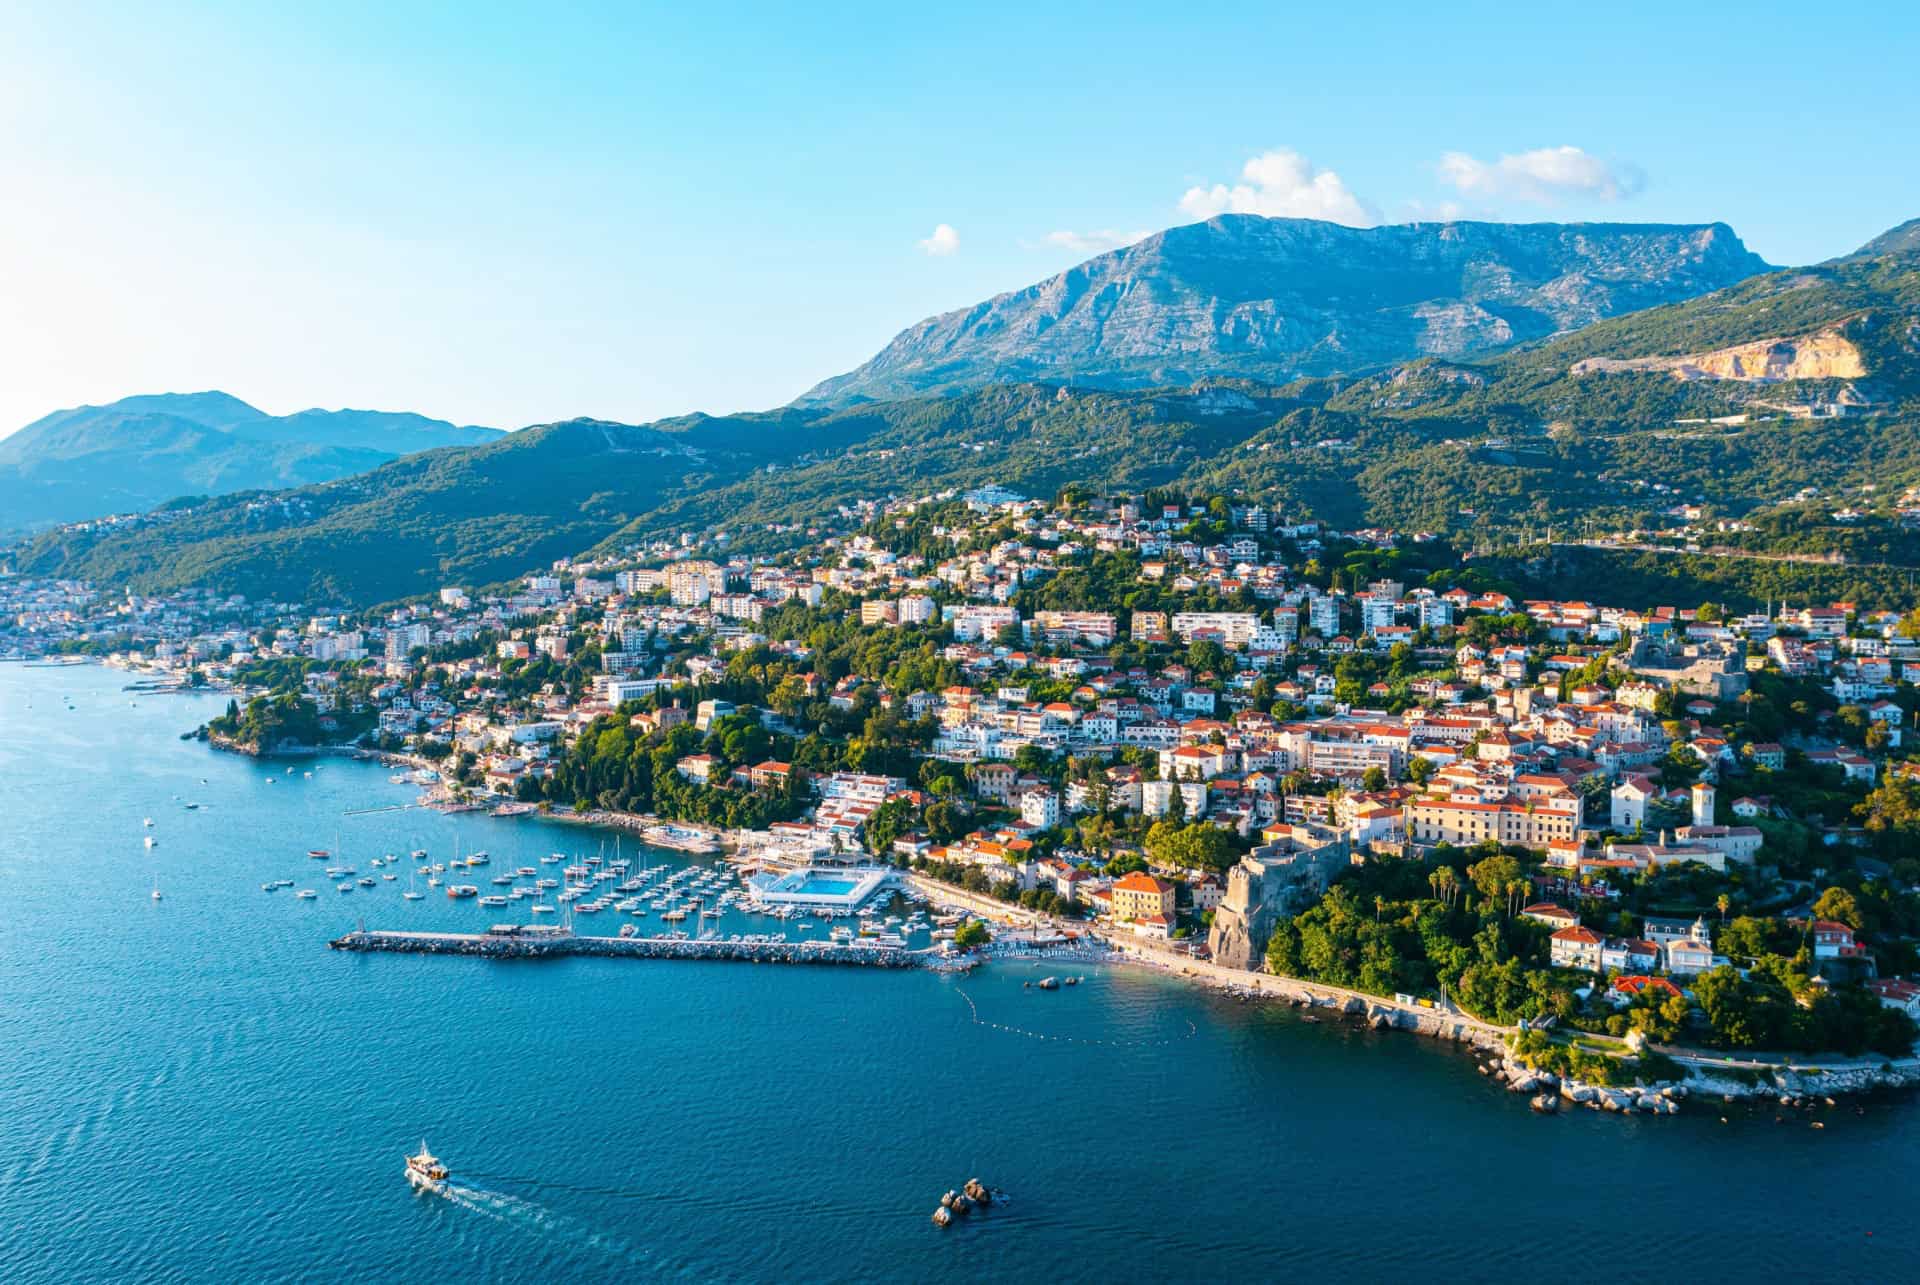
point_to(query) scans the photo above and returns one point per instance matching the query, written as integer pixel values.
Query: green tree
(1840, 906)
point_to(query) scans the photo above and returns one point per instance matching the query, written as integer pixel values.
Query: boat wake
(534, 1217)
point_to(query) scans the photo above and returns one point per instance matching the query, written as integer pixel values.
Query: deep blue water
(198, 1089)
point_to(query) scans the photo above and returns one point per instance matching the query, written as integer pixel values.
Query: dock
(557, 944)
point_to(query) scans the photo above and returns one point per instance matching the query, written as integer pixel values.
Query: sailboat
(156, 885)
(412, 893)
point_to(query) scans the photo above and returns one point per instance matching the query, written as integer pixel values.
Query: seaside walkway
(1448, 1021)
(553, 945)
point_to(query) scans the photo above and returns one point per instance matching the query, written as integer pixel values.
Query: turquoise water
(821, 886)
(198, 1089)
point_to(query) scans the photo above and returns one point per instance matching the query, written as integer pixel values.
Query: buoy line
(974, 1009)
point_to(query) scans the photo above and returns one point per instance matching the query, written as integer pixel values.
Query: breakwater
(552, 945)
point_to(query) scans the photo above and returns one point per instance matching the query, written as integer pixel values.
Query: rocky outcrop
(1827, 354)
(1267, 884)
(1274, 299)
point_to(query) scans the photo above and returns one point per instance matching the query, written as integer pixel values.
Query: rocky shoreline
(1785, 1085)
(1548, 1093)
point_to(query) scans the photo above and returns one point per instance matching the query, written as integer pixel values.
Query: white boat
(306, 894)
(156, 887)
(149, 841)
(425, 1172)
(541, 910)
(493, 901)
(148, 822)
(411, 895)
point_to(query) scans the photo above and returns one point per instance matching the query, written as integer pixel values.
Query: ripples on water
(197, 1089)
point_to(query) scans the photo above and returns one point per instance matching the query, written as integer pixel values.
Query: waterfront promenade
(1443, 1021)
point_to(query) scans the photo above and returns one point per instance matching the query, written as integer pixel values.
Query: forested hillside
(1495, 454)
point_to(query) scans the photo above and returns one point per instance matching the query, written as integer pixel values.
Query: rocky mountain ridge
(1276, 299)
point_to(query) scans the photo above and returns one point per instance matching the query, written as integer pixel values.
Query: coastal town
(1217, 739)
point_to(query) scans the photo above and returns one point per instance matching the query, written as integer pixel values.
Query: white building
(1040, 808)
(1234, 628)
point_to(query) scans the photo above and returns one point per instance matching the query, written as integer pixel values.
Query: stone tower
(1702, 803)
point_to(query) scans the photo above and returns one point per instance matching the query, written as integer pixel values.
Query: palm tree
(1379, 904)
(1724, 902)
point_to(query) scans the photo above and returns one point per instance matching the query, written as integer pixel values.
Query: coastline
(1789, 1080)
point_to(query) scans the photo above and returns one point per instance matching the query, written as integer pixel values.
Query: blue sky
(504, 214)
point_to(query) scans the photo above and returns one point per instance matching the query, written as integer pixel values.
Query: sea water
(197, 1088)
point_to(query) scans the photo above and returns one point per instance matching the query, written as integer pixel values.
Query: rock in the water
(941, 1217)
(1545, 1103)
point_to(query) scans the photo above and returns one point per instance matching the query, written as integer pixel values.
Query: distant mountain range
(1815, 370)
(1277, 299)
(142, 451)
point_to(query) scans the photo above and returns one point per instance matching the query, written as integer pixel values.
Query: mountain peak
(1902, 238)
(1276, 299)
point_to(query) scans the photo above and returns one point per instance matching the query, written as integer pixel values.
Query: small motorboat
(425, 1172)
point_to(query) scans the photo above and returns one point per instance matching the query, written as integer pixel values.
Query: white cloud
(1282, 183)
(944, 241)
(1544, 175)
(1094, 242)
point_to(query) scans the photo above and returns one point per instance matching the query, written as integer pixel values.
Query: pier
(551, 944)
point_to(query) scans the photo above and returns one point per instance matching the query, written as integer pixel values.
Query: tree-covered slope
(1533, 439)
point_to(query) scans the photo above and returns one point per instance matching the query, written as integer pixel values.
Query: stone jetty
(553, 944)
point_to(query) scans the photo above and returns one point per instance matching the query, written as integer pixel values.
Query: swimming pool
(828, 889)
(810, 884)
